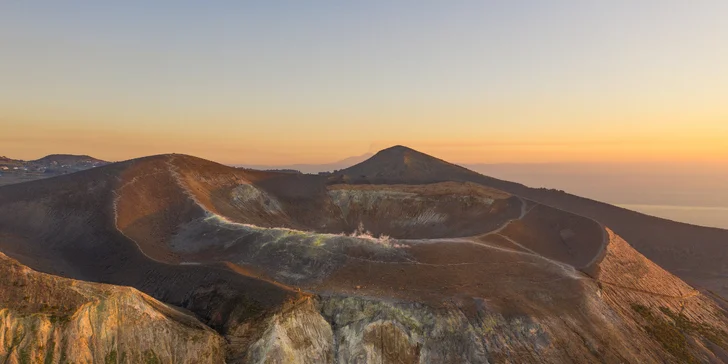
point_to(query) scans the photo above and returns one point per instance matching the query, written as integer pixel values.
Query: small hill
(400, 164)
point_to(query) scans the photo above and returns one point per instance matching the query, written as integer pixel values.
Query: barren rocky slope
(697, 254)
(311, 269)
(48, 319)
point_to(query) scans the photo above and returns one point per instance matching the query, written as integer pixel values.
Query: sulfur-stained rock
(48, 319)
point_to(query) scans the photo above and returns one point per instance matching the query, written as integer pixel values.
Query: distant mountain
(68, 159)
(8, 162)
(310, 168)
(16, 171)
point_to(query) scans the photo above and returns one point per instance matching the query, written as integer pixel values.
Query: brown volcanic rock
(298, 267)
(67, 226)
(686, 325)
(49, 319)
(417, 212)
(558, 235)
(694, 253)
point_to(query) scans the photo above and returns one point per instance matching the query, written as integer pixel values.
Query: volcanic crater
(325, 268)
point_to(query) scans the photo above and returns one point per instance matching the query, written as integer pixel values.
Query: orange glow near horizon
(459, 134)
(33, 141)
(484, 82)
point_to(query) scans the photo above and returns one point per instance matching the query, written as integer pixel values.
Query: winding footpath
(568, 270)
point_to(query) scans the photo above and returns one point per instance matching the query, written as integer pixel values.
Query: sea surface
(690, 192)
(697, 215)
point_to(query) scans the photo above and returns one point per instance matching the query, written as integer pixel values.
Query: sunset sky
(310, 82)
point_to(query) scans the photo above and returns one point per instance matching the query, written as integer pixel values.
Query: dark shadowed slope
(697, 254)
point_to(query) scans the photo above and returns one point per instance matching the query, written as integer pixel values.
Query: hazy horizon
(694, 193)
(682, 191)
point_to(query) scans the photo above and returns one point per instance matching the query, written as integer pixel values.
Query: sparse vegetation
(150, 357)
(672, 334)
(24, 356)
(667, 334)
(110, 357)
(49, 353)
(716, 336)
(59, 319)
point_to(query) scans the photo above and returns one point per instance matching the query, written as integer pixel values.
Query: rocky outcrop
(299, 335)
(365, 330)
(48, 319)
